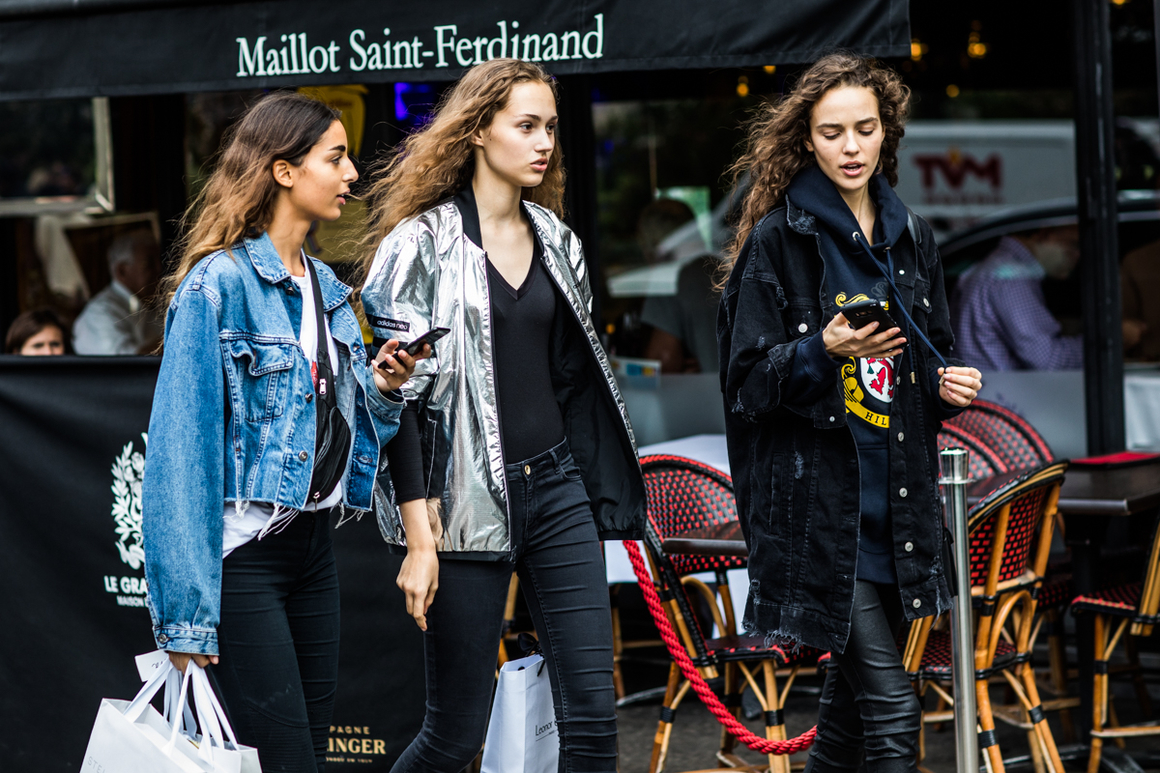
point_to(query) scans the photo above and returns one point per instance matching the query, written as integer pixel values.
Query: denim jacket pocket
(803, 318)
(258, 373)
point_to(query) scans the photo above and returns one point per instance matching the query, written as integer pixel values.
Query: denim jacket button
(309, 397)
(162, 639)
(902, 271)
(832, 419)
(901, 437)
(303, 456)
(902, 492)
(908, 547)
(803, 327)
(916, 603)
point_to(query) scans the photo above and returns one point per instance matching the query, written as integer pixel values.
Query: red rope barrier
(704, 692)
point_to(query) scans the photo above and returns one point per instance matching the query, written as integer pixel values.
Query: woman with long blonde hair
(515, 451)
(267, 422)
(835, 346)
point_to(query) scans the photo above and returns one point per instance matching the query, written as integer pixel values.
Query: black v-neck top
(522, 321)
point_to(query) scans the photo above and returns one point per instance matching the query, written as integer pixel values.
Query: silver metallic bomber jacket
(427, 273)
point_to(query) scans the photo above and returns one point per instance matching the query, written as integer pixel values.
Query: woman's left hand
(393, 366)
(959, 386)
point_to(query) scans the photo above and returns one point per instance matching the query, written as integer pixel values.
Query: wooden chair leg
(987, 722)
(733, 692)
(665, 725)
(1027, 676)
(778, 763)
(1099, 694)
(617, 641)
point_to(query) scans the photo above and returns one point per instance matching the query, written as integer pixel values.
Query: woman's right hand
(842, 341)
(419, 579)
(181, 659)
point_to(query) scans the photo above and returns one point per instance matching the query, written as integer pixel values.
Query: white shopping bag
(131, 737)
(521, 736)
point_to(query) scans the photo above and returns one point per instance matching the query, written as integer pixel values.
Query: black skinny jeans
(868, 704)
(561, 570)
(278, 642)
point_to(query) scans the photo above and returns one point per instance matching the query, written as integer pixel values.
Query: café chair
(1011, 437)
(1010, 540)
(982, 462)
(684, 494)
(1131, 609)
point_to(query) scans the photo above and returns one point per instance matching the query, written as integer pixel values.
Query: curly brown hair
(438, 160)
(776, 147)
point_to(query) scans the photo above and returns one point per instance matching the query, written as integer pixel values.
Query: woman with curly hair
(831, 422)
(515, 451)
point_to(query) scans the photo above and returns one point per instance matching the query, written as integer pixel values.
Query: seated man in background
(120, 319)
(998, 309)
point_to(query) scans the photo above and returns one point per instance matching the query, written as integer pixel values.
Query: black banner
(72, 606)
(121, 47)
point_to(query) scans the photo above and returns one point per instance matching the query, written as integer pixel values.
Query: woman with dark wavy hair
(832, 418)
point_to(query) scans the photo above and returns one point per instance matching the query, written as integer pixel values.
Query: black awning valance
(74, 48)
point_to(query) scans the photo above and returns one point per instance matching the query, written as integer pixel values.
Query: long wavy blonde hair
(438, 160)
(776, 148)
(238, 199)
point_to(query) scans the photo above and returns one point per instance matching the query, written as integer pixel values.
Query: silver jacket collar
(427, 273)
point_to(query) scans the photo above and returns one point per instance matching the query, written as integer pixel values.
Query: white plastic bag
(522, 735)
(132, 737)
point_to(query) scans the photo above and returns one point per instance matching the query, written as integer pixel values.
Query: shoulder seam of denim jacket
(800, 220)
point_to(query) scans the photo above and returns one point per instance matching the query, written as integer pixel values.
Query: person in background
(120, 319)
(832, 430)
(36, 332)
(999, 311)
(684, 325)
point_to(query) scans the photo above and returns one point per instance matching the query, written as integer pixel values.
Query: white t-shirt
(259, 516)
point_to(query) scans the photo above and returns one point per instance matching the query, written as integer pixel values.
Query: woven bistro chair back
(982, 461)
(1006, 433)
(684, 494)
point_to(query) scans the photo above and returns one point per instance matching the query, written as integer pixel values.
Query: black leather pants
(868, 706)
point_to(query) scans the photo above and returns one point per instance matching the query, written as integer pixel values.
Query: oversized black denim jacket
(795, 464)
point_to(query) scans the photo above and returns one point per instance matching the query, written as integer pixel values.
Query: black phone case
(864, 312)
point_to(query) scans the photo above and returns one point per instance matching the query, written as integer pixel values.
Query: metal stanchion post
(954, 481)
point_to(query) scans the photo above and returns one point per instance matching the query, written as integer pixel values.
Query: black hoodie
(867, 383)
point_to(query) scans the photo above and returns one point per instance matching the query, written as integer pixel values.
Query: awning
(79, 48)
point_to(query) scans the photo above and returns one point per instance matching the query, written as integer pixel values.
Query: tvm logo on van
(947, 178)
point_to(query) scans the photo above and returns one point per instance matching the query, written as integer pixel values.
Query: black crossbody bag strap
(332, 437)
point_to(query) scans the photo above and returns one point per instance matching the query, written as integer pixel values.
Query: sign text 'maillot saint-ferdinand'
(293, 54)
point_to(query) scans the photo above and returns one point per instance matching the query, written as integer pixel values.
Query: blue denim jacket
(234, 421)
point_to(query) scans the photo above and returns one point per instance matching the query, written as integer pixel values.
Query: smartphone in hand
(430, 337)
(862, 313)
